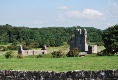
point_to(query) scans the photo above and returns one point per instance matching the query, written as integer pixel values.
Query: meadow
(90, 62)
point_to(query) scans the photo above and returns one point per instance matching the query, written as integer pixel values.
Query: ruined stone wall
(92, 49)
(79, 41)
(70, 75)
(72, 43)
(31, 52)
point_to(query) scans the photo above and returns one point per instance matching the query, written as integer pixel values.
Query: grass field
(90, 62)
(60, 64)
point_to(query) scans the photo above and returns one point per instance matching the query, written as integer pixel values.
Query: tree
(110, 39)
(50, 36)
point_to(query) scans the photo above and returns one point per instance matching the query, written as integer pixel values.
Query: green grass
(101, 47)
(60, 64)
(90, 62)
(64, 48)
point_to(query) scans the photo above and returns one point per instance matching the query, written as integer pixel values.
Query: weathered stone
(79, 41)
(32, 52)
(92, 49)
(70, 75)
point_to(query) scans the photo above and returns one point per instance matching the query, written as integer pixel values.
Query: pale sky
(100, 14)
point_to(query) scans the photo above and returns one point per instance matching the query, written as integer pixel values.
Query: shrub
(105, 52)
(73, 53)
(100, 53)
(57, 54)
(19, 56)
(63, 55)
(39, 56)
(9, 54)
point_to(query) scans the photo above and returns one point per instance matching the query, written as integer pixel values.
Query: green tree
(3, 38)
(50, 36)
(110, 39)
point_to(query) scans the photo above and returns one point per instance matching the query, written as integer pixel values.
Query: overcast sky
(59, 13)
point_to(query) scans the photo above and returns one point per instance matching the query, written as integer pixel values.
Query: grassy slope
(60, 64)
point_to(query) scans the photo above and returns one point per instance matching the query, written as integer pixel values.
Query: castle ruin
(79, 41)
(32, 52)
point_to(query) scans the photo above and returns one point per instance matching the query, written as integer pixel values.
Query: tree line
(50, 36)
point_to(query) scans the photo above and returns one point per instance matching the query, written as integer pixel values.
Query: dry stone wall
(70, 75)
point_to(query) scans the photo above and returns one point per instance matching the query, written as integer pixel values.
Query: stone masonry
(69, 75)
(79, 41)
(31, 52)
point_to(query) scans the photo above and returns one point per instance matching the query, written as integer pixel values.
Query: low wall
(70, 75)
(33, 52)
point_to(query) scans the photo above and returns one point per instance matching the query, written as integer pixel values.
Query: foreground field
(60, 64)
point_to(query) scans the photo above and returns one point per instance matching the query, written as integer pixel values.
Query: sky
(100, 14)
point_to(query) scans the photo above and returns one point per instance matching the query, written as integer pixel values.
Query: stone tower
(79, 40)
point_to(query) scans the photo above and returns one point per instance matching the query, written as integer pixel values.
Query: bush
(105, 52)
(73, 53)
(57, 54)
(19, 56)
(9, 54)
(39, 56)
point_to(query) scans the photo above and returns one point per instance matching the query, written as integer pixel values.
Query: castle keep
(79, 41)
